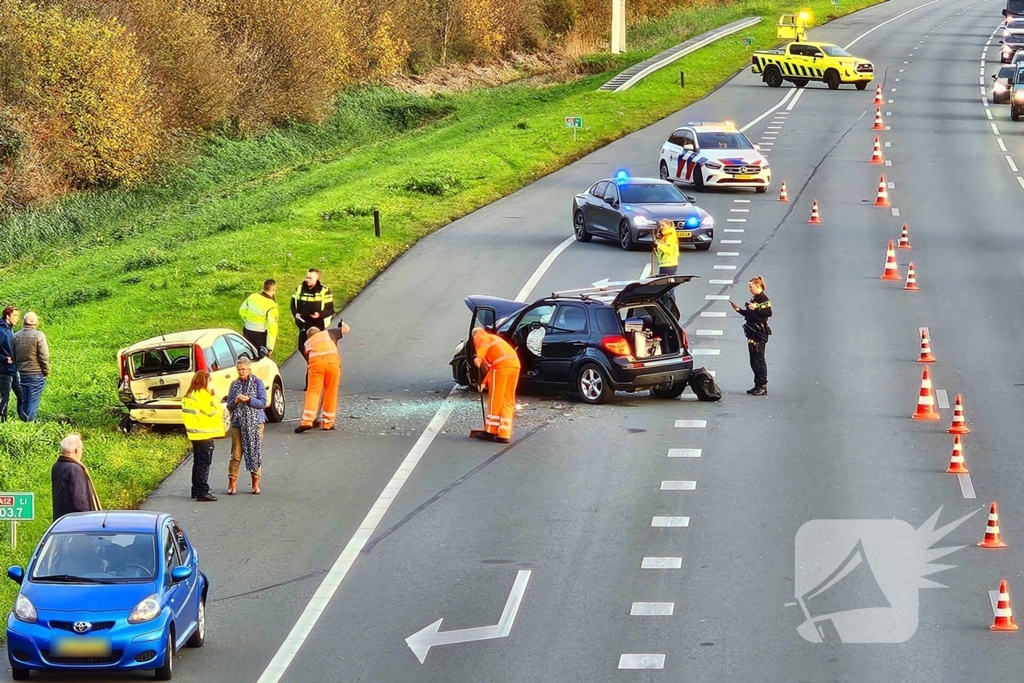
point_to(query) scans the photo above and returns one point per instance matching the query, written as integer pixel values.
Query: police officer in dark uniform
(756, 314)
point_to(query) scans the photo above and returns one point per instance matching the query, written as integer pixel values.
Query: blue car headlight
(24, 610)
(643, 220)
(147, 610)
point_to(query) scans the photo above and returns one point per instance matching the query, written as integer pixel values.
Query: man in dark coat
(70, 482)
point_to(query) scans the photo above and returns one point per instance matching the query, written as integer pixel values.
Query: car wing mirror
(179, 574)
(690, 198)
(757, 147)
(688, 147)
(16, 574)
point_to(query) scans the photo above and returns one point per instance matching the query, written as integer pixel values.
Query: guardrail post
(376, 222)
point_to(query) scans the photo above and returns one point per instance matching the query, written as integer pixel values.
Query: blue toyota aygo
(107, 591)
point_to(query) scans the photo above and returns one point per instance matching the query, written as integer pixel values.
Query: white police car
(713, 155)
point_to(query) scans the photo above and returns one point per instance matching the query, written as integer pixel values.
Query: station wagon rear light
(201, 366)
(124, 368)
(616, 345)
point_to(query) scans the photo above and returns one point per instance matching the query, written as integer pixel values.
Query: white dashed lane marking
(966, 486)
(709, 333)
(1013, 166)
(994, 129)
(713, 314)
(691, 424)
(730, 242)
(678, 486)
(663, 522)
(741, 201)
(705, 352)
(1021, 181)
(648, 661)
(684, 452)
(895, 212)
(735, 220)
(721, 282)
(888, 144)
(652, 609)
(1002, 146)
(739, 210)
(721, 267)
(661, 563)
(888, 163)
(733, 230)
(988, 113)
(728, 253)
(942, 399)
(716, 297)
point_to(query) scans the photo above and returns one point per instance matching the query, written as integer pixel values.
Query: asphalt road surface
(548, 549)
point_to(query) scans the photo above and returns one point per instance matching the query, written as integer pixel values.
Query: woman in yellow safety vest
(666, 244)
(204, 423)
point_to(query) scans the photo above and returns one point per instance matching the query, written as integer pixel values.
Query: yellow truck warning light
(794, 26)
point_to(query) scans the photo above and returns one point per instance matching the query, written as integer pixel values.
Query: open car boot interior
(649, 331)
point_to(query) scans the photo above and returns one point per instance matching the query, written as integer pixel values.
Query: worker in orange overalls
(498, 359)
(324, 377)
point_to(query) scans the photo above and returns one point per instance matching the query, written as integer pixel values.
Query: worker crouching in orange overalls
(498, 359)
(324, 377)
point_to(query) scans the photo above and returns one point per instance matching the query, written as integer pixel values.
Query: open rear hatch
(156, 373)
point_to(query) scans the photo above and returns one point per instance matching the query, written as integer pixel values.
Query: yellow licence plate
(685, 235)
(81, 647)
(744, 177)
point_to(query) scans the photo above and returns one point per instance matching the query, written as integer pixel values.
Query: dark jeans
(668, 270)
(757, 364)
(8, 383)
(202, 458)
(257, 339)
(31, 394)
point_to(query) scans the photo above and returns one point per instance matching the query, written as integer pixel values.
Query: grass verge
(105, 270)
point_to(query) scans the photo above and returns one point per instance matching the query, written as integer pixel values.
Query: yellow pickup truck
(800, 63)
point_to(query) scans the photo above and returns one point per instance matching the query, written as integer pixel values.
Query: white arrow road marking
(993, 597)
(966, 486)
(426, 638)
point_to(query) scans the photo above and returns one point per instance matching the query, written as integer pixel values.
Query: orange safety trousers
(324, 378)
(501, 401)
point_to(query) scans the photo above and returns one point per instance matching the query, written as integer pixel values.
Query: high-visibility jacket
(259, 314)
(322, 344)
(495, 352)
(319, 299)
(202, 414)
(668, 249)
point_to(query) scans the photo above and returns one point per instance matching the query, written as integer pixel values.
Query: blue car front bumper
(119, 646)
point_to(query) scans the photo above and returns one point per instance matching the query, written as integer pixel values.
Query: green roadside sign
(573, 121)
(17, 507)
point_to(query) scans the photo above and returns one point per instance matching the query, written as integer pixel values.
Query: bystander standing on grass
(70, 483)
(32, 355)
(8, 366)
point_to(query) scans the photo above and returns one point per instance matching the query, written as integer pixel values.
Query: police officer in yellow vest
(259, 317)
(204, 423)
(312, 307)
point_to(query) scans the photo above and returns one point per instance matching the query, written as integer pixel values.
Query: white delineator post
(618, 26)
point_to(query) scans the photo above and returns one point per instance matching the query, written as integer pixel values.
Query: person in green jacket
(259, 317)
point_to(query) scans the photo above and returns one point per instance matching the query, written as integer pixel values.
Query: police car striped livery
(713, 154)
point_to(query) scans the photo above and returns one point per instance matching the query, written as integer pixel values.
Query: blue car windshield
(651, 194)
(96, 558)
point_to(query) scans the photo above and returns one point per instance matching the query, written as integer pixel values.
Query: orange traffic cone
(878, 120)
(926, 355)
(815, 216)
(1004, 615)
(892, 271)
(878, 95)
(956, 459)
(883, 194)
(959, 424)
(926, 400)
(783, 195)
(992, 538)
(876, 153)
(911, 279)
(904, 239)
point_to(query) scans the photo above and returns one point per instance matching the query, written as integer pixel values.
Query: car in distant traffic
(713, 155)
(1012, 25)
(107, 591)
(590, 342)
(1013, 9)
(1012, 42)
(1001, 83)
(627, 210)
(156, 373)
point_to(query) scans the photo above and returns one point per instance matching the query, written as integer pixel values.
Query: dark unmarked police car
(627, 210)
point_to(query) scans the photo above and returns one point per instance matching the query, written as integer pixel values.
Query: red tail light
(201, 365)
(753, 60)
(616, 345)
(124, 368)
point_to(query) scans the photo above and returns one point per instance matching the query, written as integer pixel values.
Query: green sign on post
(17, 507)
(748, 41)
(574, 122)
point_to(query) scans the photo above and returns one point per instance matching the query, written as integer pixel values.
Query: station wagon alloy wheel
(592, 385)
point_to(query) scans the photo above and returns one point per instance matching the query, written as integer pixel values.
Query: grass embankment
(108, 269)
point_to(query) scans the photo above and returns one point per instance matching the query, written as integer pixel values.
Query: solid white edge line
(332, 581)
(767, 113)
(872, 30)
(542, 269)
(796, 98)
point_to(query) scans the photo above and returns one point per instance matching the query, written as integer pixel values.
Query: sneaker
(760, 391)
(751, 390)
